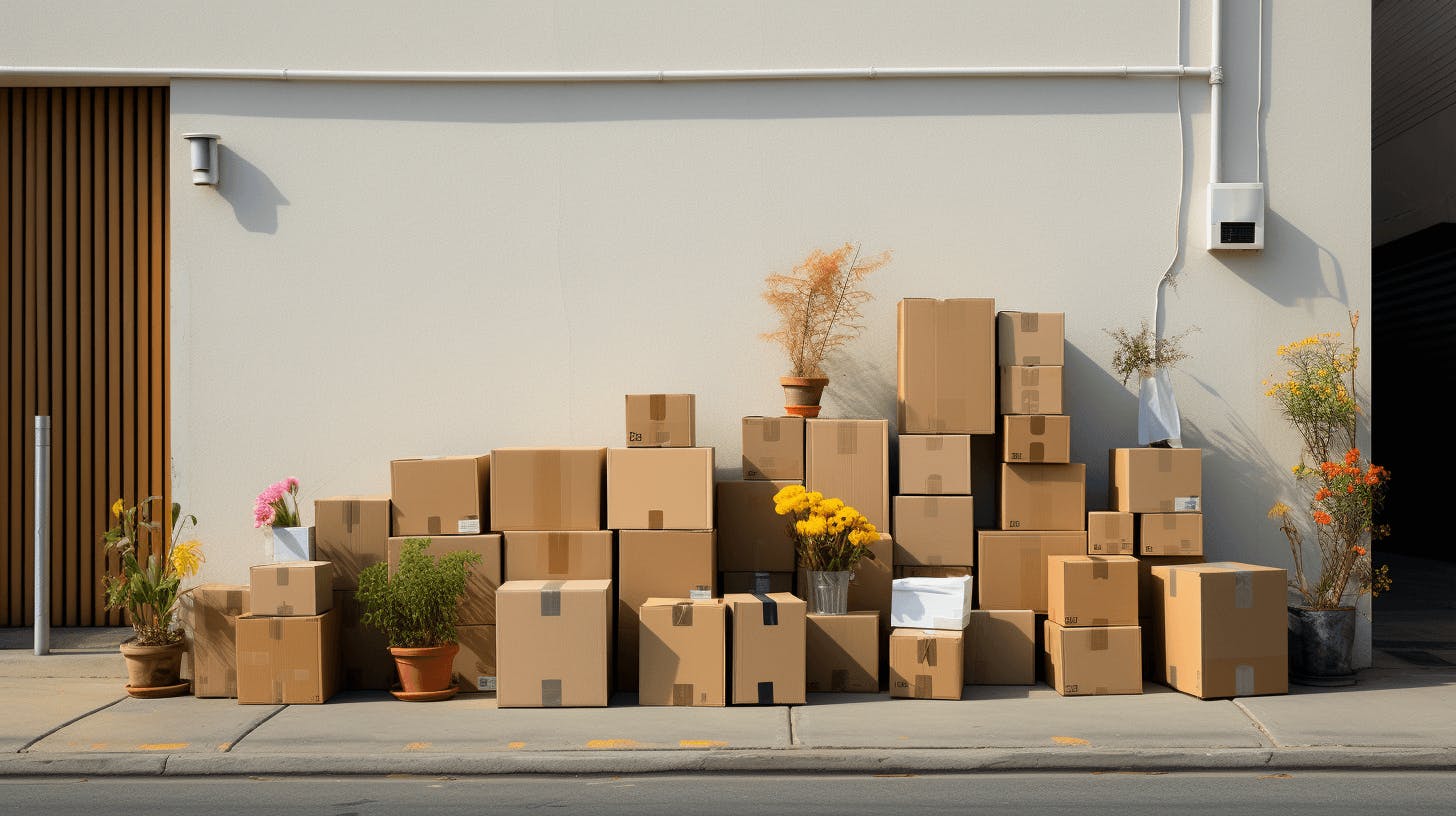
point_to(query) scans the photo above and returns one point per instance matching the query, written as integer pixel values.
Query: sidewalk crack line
(253, 727)
(1255, 720)
(72, 721)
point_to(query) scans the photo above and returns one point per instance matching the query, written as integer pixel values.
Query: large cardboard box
(1043, 497)
(849, 459)
(1155, 480)
(935, 530)
(446, 495)
(532, 555)
(844, 652)
(477, 608)
(551, 643)
(1031, 390)
(1148, 588)
(935, 465)
(474, 666)
(547, 488)
(1170, 534)
(931, 603)
(1011, 566)
(946, 366)
(364, 657)
(914, 571)
(768, 633)
(1037, 438)
(1030, 339)
(660, 488)
(660, 421)
(773, 448)
(1225, 629)
(1001, 648)
(927, 664)
(1092, 590)
(1094, 660)
(757, 582)
(290, 661)
(683, 654)
(751, 536)
(303, 588)
(1110, 533)
(351, 532)
(209, 614)
(656, 564)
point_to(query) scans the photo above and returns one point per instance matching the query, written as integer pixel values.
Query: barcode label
(1187, 504)
(468, 526)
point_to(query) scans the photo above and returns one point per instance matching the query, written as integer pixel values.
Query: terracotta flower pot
(425, 669)
(802, 394)
(150, 667)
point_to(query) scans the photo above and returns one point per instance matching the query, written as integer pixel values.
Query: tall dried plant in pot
(1149, 357)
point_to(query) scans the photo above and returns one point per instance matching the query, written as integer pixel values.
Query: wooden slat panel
(7, 232)
(87, 578)
(66, 458)
(33, 112)
(141, 335)
(54, 370)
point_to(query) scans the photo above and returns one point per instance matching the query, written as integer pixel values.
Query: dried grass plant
(818, 304)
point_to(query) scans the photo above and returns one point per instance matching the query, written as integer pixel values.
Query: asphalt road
(1081, 794)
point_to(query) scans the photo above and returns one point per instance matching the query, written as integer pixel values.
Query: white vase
(1158, 418)
(293, 544)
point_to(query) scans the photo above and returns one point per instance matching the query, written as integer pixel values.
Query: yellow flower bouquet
(829, 535)
(148, 589)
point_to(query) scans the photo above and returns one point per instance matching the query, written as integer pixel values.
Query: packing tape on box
(1030, 402)
(277, 696)
(839, 679)
(1030, 322)
(769, 430)
(551, 599)
(770, 608)
(1097, 640)
(925, 651)
(551, 693)
(558, 553)
(1036, 425)
(1099, 621)
(934, 443)
(1112, 528)
(1030, 377)
(932, 507)
(1172, 673)
(275, 629)
(1243, 590)
(1173, 582)
(1096, 690)
(432, 525)
(934, 484)
(762, 583)
(654, 519)
(924, 689)
(280, 576)
(1036, 452)
(1243, 680)
(847, 433)
(1165, 460)
(682, 613)
(682, 694)
(550, 493)
(657, 407)
(351, 514)
(1033, 574)
(1100, 570)
(766, 693)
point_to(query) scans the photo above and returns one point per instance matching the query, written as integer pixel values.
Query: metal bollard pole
(42, 535)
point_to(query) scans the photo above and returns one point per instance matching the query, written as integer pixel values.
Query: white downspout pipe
(1215, 96)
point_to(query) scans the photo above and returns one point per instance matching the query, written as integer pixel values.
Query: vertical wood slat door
(83, 239)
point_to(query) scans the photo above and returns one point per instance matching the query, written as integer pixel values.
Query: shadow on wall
(1303, 271)
(860, 388)
(1104, 416)
(254, 198)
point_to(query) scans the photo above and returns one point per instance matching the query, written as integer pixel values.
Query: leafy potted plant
(1150, 357)
(277, 508)
(830, 538)
(417, 609)
(148, 592)
(818, 305)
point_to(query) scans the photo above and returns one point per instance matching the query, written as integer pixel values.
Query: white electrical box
(1236, 215)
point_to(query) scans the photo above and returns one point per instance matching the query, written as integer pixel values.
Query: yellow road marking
(98, 746)
(702, 744)
(1070, 741)
(162, 746)
(223, 746)
(515, 745)
(611, 743)
(416, 746)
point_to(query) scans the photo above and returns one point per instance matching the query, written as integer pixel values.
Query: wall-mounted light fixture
(204, 157)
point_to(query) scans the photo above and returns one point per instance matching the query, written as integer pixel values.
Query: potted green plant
(830, 538)
(148, 592)
(417, 609)
(1150, 357)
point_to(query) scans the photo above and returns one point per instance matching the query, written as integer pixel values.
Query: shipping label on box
(303, 588)
(1225, 628)
(768, 634)
(547, 488)
(560, 556)
(1031, 390)
(1011, 566)
(773, 448)
(935, 465)
(1094, 660)
(844, 653)
(289, 661)
(927, 664)
(660, 421)
(849, 459)
(1156, 480)
(1170, 534)
(477, 607)
(657, 564)
(751, 536)
(1001, 648)
(682, 654)
(209, 616)
(946, 366)
(447, 495)
(1092, 590)
(551, 642)
(364, 658)
(351, 532)
(931, 603)
(473, 669)
(1109, 533)
(1031, 339)
(757, 582)
(1036, 439)
(660, 488)
(1043, 497)
(935, 530)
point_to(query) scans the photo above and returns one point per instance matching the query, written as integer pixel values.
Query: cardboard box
(683, 653)
(660, 489)
(1109, 533)
(1148, 588)
(1094, 660)
(913, 571)
(209, 615)
(547, 488)
(1031, 390)
(551, 643)
(1030, 339)
(661, 421)
(849, 459)
(477, 608)
(757, 582)
(531, 555)
(1043, 497)
(303, 588)
(474, 666)
(1001, 648)
(927, 664)
(1011, 566)
(1155, 480)
(351, 532)
(931, 603)
(843, 652)
(289, 661)
(1170, 534)
(1092, 590)
(935, 530)
(768, 633)
(946, 366)
(935, 465)
(773, 448)
(751, 536)
(364, 658)
(1037, 438)
(656, 564)
(446, 495)
(1225, 629)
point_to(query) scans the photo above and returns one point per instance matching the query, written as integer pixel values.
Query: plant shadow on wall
(254, 198)
(1293, 270)
(1104, 416)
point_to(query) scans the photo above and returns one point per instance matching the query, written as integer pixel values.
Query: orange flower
(1352, 456)
(1350, 488)
(1321, 517)
(1359, 550)
(1322, 494)
(1371, 479)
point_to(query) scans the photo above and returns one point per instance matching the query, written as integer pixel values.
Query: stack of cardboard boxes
(1092, 639)
(353, 533)
(929, 617)
(755, 550)
(288, 643)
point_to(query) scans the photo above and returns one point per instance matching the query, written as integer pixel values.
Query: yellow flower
(790, 492)
(828, 507)
(116, 508)
(1279, 510)
(187, 557)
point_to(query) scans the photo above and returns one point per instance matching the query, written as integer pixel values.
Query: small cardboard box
(1011, 566)
(914, 571)
(352, 533)
(290, 661)
(551, 643)
(1225, 629)
(1001, 648)
(758, 582)
(446, 495)
(1109, 533)
(477, 608)
(531, 555)
(1148, 588)
(773, 448)
(1094, 660)
(1170, 534)
(768, 633)
(660, 421)
(303, 588)
(1092, 590)
(935, 530)
(547, 488)
(931, 603)
(935, 465)
(1037, 438)
(946, 366)
(1031, 390)
(844, 652)
(683, 653)
(660, 488)
(210, 613)
(364, 656)
(1030, 339)
(751, 536)
(1155, 480)
(927, 664)
(656, 564)
(474, 666)
(849, 459)
(1043, 497)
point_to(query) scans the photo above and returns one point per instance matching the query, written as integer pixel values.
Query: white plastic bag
(1158, 411)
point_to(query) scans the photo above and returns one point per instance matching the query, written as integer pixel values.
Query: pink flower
(292, 482)
(263, 514)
